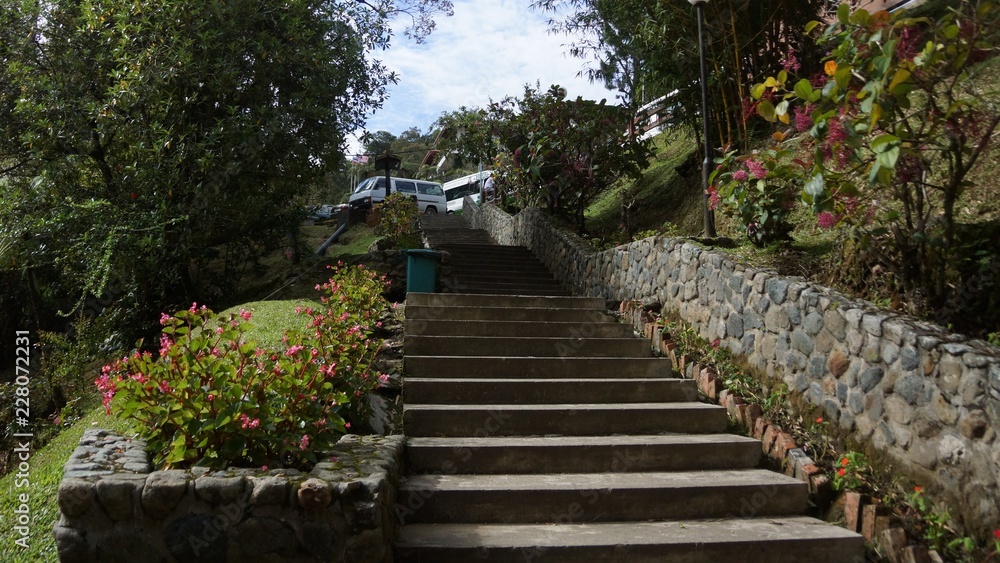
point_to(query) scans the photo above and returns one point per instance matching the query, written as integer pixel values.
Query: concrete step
(601, 497)
(438, 300)
(457, 286)
(503, 285)
(581, 454)
(488, 276)
(417, 345)
(501, 313)
(589, 419)
(786, 539)
(484, 249)
(515, 328)
(535, 367)
(525, 264)
(506, 259)
(471, 391)
(514, 290)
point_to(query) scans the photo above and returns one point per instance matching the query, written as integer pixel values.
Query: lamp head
(696, 2)
(387, 161)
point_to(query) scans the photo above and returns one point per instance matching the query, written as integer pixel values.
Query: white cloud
(488, 50)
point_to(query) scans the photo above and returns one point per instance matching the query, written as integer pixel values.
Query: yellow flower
(830, 67)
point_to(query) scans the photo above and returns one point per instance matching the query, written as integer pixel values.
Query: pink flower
(304, 442)
(165, 344)
(263, 468)
(827, 220)
(347, 425)
(292, 350)
(247, 422)
(194, 308)
(713, 200)
(756, 169)
(715, 343)
(740, 175)
(164, 318)
(245, 314)
(164, 387)
(803, 118)
(211, 398)
(791, 62)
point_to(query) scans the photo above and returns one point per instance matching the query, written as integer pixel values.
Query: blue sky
(488, 50)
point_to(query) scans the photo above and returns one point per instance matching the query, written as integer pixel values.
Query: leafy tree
(891, 131)
(649, 48)
(548, 150)
(152, 150)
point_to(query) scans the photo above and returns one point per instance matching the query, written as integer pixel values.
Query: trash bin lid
(422, 253)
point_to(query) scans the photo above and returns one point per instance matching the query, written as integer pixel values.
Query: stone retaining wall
(112, 508)
(928, 399)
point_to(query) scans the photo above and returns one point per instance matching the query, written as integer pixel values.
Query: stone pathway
(539, 429)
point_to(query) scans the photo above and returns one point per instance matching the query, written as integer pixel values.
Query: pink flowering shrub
(759, 191)
(212, 398)
(891, 131)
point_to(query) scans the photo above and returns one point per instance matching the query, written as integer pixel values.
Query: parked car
(429, 195)
(456, 190)
(325, 211)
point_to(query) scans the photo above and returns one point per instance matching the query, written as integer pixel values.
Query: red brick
(741, 415)
(709, 383)
(725, 396)
(685, 360)
(868, 515)
(754, 413)
(770, 435)
(808, 470)
(893, 541)
(782, 444)
(916, 554)
(852, 510)
(759, 427)
(820, 489)
(882, 523)
(656, 337)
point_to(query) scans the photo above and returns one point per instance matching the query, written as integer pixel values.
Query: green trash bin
(421, 270)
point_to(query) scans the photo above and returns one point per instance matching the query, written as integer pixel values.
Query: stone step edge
(571, 534)
(870, 519)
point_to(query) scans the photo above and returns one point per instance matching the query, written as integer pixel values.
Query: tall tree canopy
(649, 48)
(149, 149)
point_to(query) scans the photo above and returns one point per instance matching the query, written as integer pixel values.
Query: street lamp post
(699, 6)
(387, 161)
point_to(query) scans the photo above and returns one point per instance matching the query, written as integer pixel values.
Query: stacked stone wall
(926, 398)
(113, 508)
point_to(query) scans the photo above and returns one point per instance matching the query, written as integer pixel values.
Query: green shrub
(213, 398)
(395, 219)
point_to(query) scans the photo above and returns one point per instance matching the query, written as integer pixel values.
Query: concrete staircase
(474, 263)
(539, 429)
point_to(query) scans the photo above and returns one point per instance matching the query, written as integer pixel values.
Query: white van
(429, 195)
(456, 190)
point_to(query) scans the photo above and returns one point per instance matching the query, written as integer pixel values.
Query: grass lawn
(268, 324)
(46, 468)
(271, 319)
(662, 193)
